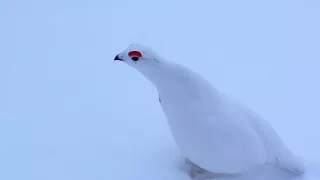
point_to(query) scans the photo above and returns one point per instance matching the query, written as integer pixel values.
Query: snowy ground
(68, 112)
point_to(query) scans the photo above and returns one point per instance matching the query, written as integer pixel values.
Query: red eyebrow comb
(135, 53)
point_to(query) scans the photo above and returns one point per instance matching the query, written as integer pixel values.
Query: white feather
(212, 130)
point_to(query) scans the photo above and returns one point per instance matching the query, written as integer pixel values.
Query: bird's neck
(168, 76)
(177, 82)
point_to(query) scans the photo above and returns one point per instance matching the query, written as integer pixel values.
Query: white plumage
(212, 130)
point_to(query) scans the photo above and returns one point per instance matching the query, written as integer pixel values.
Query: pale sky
(65, 105)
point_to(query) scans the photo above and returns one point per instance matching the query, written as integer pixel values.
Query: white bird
(214, 132)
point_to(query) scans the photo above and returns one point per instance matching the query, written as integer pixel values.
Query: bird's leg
(198, 173)
(291, 169)
(205, 176)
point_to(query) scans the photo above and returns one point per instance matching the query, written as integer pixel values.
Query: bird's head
(160, 72)
(138, 56)
(144, 60)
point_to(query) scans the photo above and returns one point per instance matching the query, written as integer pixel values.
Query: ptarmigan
(213, 131)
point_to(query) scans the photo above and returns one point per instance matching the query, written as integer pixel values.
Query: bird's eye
(135, 58)
(135, 55)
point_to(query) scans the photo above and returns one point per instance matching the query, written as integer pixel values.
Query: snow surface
(68, 112)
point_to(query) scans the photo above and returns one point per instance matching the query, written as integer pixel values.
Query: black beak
(117, 58)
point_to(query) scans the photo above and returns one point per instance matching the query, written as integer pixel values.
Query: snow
(68, 112)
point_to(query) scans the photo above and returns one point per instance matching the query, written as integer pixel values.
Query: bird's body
(208, 131)
(213, 131)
